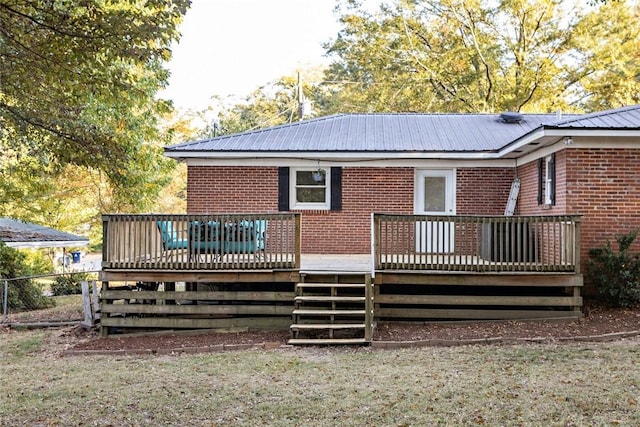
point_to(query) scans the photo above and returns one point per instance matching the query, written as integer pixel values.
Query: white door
(435, 195)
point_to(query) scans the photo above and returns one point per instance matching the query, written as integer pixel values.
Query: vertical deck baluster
(384, 250)
(412, 244)
(126, 223)
(397, 241)
(131, 242)
(122, 229)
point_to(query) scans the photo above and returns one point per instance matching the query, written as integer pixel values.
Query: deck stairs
(333, 309)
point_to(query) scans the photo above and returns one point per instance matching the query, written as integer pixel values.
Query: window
(300, 188)
(547, 180)
(310, 189)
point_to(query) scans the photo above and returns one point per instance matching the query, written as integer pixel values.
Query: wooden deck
(492, 268)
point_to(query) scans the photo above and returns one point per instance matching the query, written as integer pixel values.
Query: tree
(273, 104)
(77, 87)
(484, 56)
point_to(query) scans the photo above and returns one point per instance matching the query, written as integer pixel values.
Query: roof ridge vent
(511, 117)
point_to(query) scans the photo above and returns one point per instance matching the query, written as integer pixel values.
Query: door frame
(451, 189)
(423, 229)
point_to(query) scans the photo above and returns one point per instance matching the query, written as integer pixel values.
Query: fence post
(86, 305)
(5, 301)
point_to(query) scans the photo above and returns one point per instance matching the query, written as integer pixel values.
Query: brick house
(337, 170)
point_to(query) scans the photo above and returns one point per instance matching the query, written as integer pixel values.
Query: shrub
(68, 284)
(37, 262)
(616, 275)
(23, 294)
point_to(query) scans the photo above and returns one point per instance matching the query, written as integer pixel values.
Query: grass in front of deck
(534, 385)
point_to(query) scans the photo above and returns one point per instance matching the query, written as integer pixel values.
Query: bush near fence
(69, 284)
(26, 294)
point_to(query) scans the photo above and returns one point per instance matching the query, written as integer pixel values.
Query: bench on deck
(170, 235)
(217, 239)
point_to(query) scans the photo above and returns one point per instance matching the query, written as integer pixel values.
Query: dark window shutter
(283, 189)
(540, 178)
(336, 189)
(552, 175)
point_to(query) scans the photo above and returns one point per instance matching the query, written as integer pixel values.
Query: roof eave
(47, 244)
(332, 155)
(559, 132)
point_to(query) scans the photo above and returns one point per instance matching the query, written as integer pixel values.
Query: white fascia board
(573, 132)
(327, 162)
(589, 141)
(329, 155)
(542, 152)
(47, 244)
(524, 141)
(565, 132)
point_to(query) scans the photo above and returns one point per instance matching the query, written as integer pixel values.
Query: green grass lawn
(530, 385)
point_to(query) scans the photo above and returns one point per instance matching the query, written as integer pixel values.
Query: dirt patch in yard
(599, 324)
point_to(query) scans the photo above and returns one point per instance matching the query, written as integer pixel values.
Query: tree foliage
(24, 294)
(485, 56)
(77, 87)
(273, 104)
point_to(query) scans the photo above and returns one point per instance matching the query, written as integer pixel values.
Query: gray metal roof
(18, 234)
(620, 118)
(400, 133)
(377, 132)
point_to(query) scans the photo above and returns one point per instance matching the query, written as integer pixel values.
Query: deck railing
(201, 242)
(476, 243)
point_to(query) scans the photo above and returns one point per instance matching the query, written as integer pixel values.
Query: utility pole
(304, 105)
(300, 99)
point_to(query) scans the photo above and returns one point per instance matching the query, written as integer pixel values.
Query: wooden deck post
(298, 243)
(105, 240)
(375, 244)
(578, 269)
(368, 307)
(578, 245)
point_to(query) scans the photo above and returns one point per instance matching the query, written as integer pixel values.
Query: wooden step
(326, 341)
(298, 326)
(330, 285)
(329, 312)
(329, 299)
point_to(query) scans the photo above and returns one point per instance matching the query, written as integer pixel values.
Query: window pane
(310, 195)
(306, 178)
(434, 193)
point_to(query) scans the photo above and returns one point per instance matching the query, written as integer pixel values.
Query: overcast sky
(231, 47)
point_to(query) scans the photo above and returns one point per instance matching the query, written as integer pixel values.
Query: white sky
(231, 47)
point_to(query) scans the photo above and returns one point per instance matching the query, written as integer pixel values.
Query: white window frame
(294, 204)
(547, 180)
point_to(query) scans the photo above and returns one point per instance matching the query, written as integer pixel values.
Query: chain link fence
(50, 300)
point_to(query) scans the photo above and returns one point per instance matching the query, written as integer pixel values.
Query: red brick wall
(364, 190)
(232, 189)
(252, 189)
(528, 199)
(604, 186)
(483, 191)
(601, 184)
